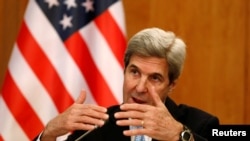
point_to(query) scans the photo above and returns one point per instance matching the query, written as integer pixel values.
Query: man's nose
(142, 85)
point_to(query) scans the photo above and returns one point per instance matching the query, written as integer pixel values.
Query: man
(153, 63)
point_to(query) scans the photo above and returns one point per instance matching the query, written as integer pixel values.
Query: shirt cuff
(38, 138)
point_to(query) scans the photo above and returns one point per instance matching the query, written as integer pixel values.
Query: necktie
(139, 137)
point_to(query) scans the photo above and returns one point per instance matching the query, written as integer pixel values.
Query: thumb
(81, 98)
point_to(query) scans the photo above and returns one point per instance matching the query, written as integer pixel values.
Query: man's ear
(172, 85)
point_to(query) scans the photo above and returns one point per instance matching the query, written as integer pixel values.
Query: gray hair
(158, 43)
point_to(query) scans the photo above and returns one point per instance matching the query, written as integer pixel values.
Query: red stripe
(99, 88)
(112, 34)
(20, 108)
(1, 138)
(43, 68)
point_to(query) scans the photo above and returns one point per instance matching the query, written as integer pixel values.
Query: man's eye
(134, 71)
(156, 78)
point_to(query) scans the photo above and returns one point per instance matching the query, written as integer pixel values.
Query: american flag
(63, 46)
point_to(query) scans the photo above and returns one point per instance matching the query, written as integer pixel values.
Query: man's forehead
(148, 60)
(150, 64)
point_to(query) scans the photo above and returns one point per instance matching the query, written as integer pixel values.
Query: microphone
(89, 131)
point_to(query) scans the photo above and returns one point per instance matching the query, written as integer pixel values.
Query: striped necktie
(139, 137)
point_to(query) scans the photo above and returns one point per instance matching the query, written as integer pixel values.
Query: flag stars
(88, 4)
(52, 3)
(66, 21)
(70, 3)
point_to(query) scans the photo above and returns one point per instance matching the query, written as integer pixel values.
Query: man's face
(143, 73)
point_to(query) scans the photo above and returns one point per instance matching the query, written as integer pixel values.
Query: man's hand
(156, 120)
(78, 116)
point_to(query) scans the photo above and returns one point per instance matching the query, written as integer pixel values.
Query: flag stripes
(43, 69)
(9, 120)
(49, 65)
(112, 34)
(31, 88)
(20, 115)
(88, 68)
(54, 48)
(104, 58)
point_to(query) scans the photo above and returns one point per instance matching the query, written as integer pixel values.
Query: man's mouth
(138, 100)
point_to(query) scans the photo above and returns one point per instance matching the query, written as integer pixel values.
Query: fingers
(131, 122)
(88, 115)
(86, 120)
(78, 116)
(134, 130)
(136, 107)
(81, 97)
(94, 112)
(155, 97)
(97, 108)
(128, 113)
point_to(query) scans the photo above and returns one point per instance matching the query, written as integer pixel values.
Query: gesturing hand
(78, 116)
(156, 120)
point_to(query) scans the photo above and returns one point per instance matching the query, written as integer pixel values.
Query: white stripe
(9, 128)
(31, 88)
(104, 59)
(117, 12)
(55, 50)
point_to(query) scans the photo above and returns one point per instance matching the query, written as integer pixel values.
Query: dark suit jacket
(197, 120)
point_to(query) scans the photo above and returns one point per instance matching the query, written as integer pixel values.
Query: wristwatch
(186, 134)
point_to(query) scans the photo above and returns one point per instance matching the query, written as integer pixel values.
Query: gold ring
(142, 123)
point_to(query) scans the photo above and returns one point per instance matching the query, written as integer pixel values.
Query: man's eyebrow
(157, 74)
(132, 66)
(154, 73)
